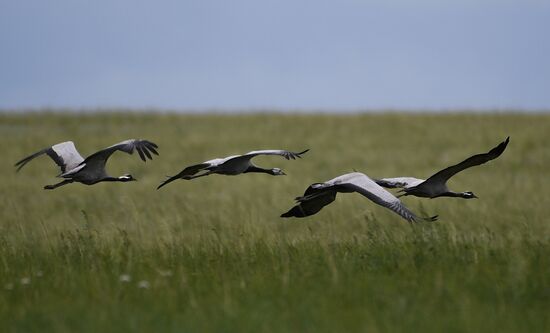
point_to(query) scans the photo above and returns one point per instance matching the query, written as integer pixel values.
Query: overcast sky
(283, 54)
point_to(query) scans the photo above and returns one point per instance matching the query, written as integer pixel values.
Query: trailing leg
(52, 187)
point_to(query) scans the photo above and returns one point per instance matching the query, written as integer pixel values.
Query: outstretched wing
(143, 147)
(64, 154)
(312, 201)
(398, 182)
(284, 153)
(442, 176)
(362, 184)
(189, 171)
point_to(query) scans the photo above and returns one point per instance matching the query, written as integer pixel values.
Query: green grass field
(213, 254)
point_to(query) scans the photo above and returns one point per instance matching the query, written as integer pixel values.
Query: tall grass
(213, 255)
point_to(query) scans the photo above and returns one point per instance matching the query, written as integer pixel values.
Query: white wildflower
(143, 284)
(25, 280)
(166, 273)
(125, 278)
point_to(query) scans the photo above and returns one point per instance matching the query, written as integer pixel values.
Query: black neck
(111, 179)
(254, 168)
(453, 194)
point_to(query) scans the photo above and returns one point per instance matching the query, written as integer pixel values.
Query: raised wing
(362, 184)
(442, 176)
(143, 147)
(189, 171)
(284, 153)
(398, 182)
(64, 154)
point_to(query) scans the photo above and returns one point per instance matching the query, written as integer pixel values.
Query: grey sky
(275, 54)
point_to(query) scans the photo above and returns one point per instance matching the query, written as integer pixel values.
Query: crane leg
(52, 187)
(193, 177)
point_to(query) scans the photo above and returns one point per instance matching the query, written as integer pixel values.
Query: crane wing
(64, 154)
(284, 153)
(442, 176)
(367, 187)
(311, 202)
(398, 182)
(143, 147)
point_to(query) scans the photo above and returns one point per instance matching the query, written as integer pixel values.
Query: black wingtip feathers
(498, 150)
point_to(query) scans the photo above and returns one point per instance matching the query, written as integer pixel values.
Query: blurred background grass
(216, 256)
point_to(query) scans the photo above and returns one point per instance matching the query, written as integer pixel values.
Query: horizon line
(266, 110)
